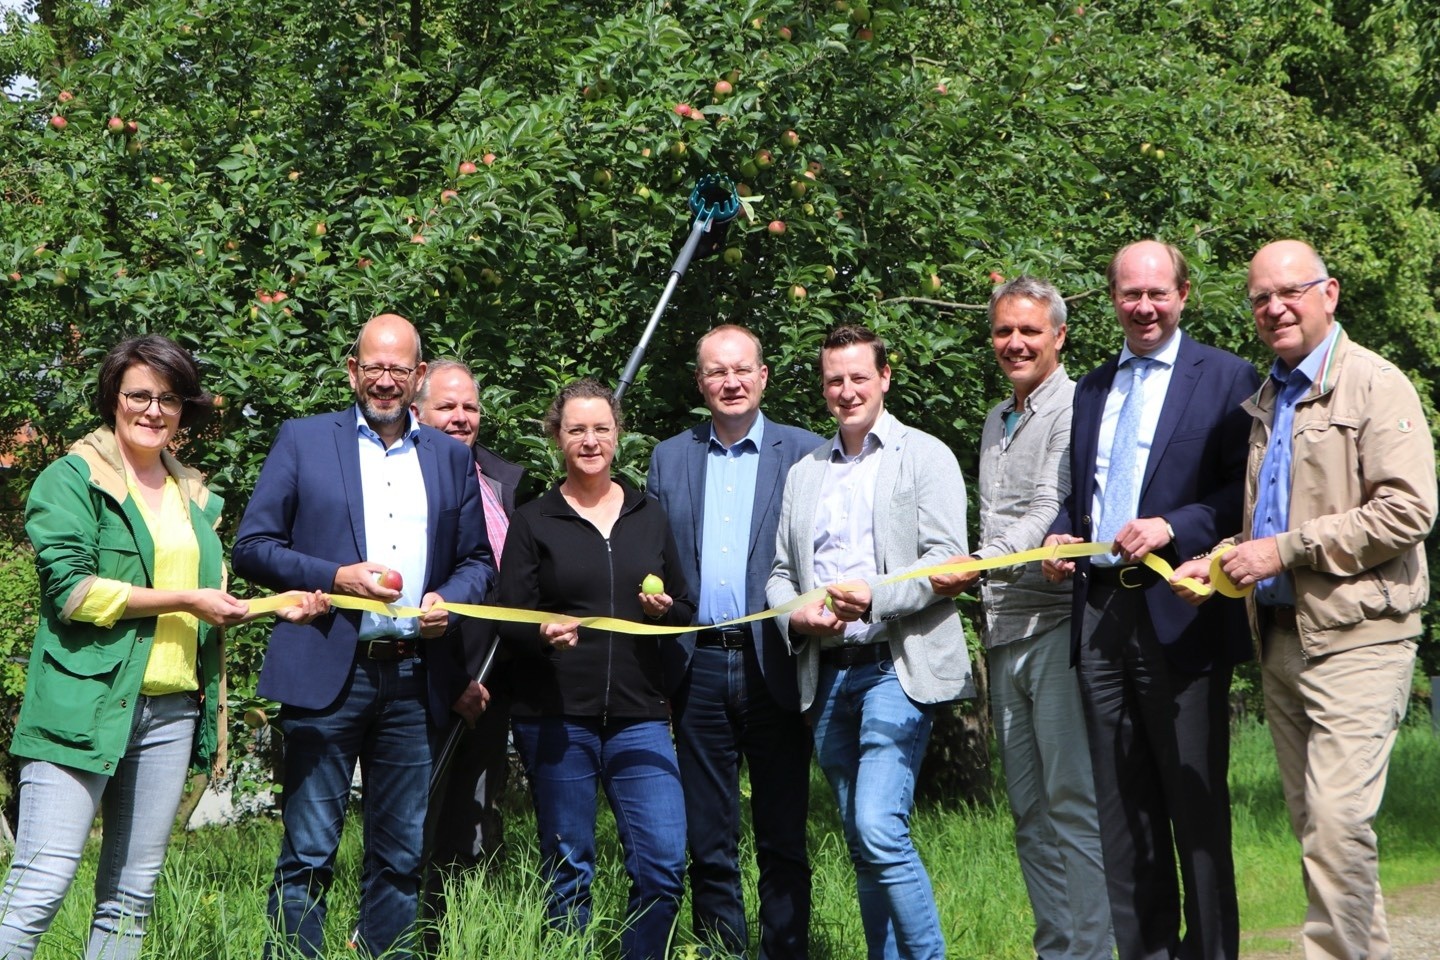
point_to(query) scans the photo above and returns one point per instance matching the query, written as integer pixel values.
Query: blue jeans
(380, 719)
(57, 808)
(567, 758)
(869, 739)
(1040, 727)
(724, 714)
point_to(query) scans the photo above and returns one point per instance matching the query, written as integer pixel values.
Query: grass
(211, 903)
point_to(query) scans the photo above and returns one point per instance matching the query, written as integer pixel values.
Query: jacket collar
(101, 452)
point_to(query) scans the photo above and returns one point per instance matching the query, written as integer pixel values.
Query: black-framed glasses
(374, 371)
(138, 401)
(1286, 295)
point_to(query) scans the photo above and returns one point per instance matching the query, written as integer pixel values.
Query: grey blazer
(920, 521)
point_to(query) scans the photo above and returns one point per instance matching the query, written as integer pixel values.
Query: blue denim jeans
(724, 714)
(567, 760)
(380, 719)
(57, 808)
(869, 739)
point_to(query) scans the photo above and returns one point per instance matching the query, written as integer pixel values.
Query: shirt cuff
(104, 603)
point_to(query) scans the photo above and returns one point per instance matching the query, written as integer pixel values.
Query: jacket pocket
(71, 693)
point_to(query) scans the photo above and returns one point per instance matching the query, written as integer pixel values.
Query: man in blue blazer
(343, 500)
(1157, 459)
(733, 688)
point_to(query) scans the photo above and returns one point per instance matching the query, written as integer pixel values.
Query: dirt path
(1414, 928)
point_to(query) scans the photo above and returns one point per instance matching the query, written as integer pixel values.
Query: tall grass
(211, 903)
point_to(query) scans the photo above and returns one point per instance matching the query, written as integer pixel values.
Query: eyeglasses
(1286, 295)
(720, 376)
(374, 371)
(1159, 296)
(603, 433)
(138, 401)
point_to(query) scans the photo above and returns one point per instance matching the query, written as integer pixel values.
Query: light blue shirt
(1156, 384)
(397, 521)
(845, 522)
(730, 474)
(1272, 497)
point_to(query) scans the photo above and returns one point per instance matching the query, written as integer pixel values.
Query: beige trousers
(1333, 720)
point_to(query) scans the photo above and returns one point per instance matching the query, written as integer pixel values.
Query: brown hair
(170, 362)
(848, 335)
(584, 389)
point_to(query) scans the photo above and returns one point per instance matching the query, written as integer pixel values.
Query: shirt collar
(1168, 353)
(1040, 395)
(1314, 361)
(877, 438)
(753, 436)
(362, 426)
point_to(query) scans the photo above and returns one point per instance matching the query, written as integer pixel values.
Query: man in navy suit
(1157, 457)
(734, 688)
(344, 498)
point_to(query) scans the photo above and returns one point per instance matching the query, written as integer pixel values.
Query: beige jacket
(1362, 501)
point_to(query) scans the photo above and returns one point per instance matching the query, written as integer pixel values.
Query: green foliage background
(952, 137)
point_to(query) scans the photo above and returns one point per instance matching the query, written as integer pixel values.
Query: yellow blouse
(171, 667)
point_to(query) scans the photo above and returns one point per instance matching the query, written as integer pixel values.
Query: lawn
(212, 894)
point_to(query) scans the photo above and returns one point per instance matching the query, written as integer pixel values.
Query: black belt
(854, 654)
(391, 648)
(1130, 577)
(723, 638)
(1277, 616)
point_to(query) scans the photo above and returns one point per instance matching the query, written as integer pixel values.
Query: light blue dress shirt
(397, 524)
(730, 475)
(1156, 384)
(1272, 496)
(845, 522)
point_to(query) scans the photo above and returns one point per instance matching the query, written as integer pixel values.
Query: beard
(384, 417)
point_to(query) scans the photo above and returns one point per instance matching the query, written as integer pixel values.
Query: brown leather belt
(394, 648)
(855, 654)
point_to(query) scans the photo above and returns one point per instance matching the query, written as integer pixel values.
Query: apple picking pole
(713, 203)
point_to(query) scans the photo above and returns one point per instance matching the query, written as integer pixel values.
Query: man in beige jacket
(1340, 494)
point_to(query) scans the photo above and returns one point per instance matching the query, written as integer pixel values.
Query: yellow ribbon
(1220, 583)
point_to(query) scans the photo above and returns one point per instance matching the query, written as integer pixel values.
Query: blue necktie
(1119, 502)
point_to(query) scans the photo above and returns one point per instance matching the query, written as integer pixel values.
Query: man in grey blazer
(733, 689)
(881, 499)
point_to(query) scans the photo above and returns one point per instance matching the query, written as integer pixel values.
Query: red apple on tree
(790, 138)
(65, 96)
(447, 195)
(785, 34)
(997, 277)
(488, 159)
(682, 109)
(723, 89)
(114, 124)
(58, 122)
(764, 158)
(132, 127)
(776, 227)
(466, 168)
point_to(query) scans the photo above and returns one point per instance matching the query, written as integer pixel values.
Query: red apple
(418, 238)
(15, 276)
(997, 277)
(447, 195)
(682, 109)
(264, 296)
(321, 229)
(777, 227)
(65, 96)
(364, 263)
(132, 127)
(785, 33)
(941, 89)
(280, 296)
(390, 579)
(114, 124)
(58, 122)
(790, 138)
(723, 88)
(798, 188)
(764, 158)
(865, 35)
(466, 168)
(488, 159)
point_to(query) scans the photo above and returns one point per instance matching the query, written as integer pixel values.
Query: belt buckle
(1126, 584)
(731, 638)
(370, 648)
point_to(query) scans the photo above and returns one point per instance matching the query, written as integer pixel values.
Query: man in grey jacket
(1034, 697)
(881, 499)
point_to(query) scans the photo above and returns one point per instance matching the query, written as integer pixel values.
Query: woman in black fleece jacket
(590, 708)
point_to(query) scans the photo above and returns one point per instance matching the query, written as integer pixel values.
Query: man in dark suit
(466, 815)
(734, 688)
(1157, 457)
(343, 500)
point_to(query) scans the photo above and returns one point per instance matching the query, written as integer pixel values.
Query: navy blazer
(306, 519)
(1194, 478)
(677, 480)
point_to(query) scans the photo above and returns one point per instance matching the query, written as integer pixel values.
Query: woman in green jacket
(124, 692)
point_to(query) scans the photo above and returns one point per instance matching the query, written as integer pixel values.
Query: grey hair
(1031, 288)
(422, 396)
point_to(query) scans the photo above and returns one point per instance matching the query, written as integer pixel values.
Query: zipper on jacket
(610, 646)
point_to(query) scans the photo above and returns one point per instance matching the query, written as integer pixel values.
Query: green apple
(652, 585)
